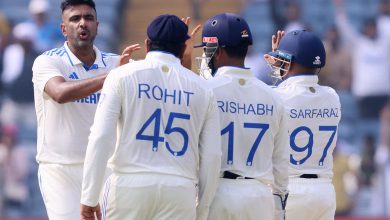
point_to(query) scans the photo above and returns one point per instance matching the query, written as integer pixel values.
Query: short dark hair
(68, 3)
(237, 52)
(173, 48)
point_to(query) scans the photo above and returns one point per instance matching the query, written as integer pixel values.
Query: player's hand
(126, 54)
(190, 42)
(187, 57)
(88, 212)
(276, 39)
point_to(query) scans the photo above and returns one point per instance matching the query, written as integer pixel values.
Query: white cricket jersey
(313, 114)
(63, 129)
(167, 123)
(251, 116)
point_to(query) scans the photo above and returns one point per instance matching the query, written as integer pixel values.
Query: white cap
(39, 6)
(25, 31)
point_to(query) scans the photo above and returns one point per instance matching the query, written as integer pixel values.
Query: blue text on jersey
(91, 99)
(245, 108)
(314, 113)
(173, 96)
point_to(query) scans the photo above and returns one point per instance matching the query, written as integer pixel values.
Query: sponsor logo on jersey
(245, 108)
(73, 76)
(91, 99)
(317, 61)
(314, 113)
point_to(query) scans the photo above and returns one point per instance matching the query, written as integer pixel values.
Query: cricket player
(168, 136)
(254, 147)
(313, 114)
(67, 81)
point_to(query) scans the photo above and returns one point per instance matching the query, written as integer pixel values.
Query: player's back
(250, 113)
(312, 113)
(163, 111)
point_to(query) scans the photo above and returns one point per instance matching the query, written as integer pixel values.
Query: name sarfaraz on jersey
(172, 96)
(245, 108)
(315, 113)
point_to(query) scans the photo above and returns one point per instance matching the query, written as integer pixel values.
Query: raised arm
(63, 91)
(186, 61)
(348, 34)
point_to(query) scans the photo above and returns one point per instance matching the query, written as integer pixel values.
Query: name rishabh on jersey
(63, 129)
(313, 113)
(251, 115)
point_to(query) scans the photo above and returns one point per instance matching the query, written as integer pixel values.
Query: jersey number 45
(169, 129)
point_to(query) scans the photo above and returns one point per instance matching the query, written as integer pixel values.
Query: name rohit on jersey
(245, 108)
(314, 113)
(172, 96)
(91, 99)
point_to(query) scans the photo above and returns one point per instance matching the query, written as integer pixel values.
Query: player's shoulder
(328, 91)
(109, 56)
(192, 76)
(56, 57)
(55, 53)
(217, 82)
(131, 68)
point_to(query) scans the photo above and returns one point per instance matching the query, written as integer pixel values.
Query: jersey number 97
(308, 148)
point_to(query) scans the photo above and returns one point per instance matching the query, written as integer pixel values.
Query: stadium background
(363, 192)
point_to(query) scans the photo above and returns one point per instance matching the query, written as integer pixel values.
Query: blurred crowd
(20, 44)
(358, 68)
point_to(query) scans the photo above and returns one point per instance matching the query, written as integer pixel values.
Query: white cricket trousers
(61, 190)
(311, 199)
(242, 199)
(148, 197)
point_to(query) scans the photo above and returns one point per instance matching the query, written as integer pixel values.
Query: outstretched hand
(186, 60)
(88, 212)
(126, 54)
(276, 40)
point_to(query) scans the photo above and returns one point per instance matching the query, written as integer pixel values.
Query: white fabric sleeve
(44, 68)
(209, 160)
(280, 157)
(101, 141)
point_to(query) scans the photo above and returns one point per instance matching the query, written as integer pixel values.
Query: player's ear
(63, 29)
(219, 52)
(147, 45)
(182, 50)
